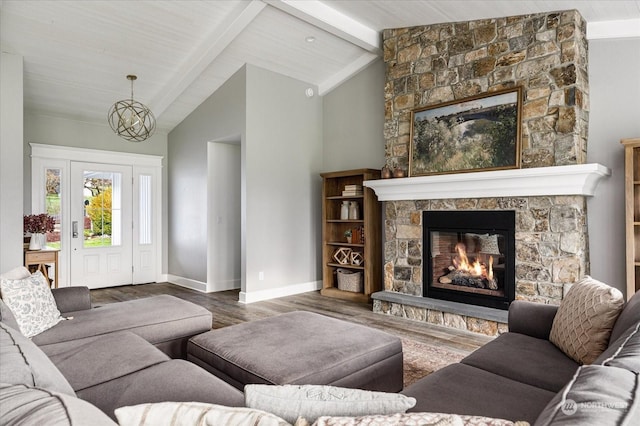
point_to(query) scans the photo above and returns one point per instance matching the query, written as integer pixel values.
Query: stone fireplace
(546, 55)
(469, 257)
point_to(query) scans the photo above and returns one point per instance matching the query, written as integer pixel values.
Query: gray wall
(614, 80)
(220, 116)
(283, 160)
(354, 122)
(280, 130)
(11, 141)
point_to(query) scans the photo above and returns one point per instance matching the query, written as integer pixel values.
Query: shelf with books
(361, 224)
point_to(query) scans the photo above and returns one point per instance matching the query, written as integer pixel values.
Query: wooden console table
(38, 260)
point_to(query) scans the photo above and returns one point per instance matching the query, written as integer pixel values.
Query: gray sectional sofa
(520, 374)
(111, 356)
(119, 355)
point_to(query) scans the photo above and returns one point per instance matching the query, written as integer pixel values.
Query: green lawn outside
(92, 242)
(99, 241)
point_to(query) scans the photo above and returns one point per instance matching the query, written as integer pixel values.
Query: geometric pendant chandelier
(130, 119)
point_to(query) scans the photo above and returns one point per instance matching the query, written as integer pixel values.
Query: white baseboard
(187, 282)
(224, 285)
(203, 287)
(274, 293)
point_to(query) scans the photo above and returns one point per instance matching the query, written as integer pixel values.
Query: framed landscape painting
(467, 135)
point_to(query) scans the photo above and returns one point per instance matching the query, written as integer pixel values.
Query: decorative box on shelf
(349, 280)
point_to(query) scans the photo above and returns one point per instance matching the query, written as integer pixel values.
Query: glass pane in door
(53, 205)
(145, 214)
(102, 209)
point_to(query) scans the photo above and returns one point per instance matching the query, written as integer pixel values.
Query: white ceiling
(77, 53)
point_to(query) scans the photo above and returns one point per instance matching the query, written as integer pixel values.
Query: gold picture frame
(473, 134)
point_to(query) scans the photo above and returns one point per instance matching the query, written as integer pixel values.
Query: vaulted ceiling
(77, 53)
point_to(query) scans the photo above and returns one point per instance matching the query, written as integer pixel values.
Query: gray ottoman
(301, 348)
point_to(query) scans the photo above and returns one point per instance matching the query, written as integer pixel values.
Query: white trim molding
(579, 179)
(60, 152)
(187, 283)
(45, 156)
(274, 293)
(628, 28)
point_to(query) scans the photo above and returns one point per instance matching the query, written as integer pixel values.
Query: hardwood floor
(227, 311)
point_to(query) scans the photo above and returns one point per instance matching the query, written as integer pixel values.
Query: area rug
(422, 359)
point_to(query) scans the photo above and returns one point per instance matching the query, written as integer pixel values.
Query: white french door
(101, 225)
(107, 213)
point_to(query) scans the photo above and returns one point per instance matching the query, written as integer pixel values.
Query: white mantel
(579, 179)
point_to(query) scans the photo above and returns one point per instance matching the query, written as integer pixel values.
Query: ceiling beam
(328, 19)
(204, 55)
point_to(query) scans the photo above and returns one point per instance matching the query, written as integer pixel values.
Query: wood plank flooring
(227, 311)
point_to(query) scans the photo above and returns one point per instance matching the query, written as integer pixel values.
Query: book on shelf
(357, 235)
(353, 187)
(351, 193)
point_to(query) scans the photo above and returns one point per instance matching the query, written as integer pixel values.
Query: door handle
(74, 229)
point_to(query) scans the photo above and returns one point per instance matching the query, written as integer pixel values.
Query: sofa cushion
(194, 413)
(463, 389)
(31, 303)
(91, 361)
(583, 324)
(629, 316)
(22, 362)
(157, 319)
(624, 352)
(313, 401)
(536, 362)
(522, 314)
(17, 273)
(7, 317)
(22, 405)
(174, 380)
(597, 395)
(69, 299)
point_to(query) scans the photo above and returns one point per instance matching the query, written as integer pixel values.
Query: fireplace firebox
(469, 257)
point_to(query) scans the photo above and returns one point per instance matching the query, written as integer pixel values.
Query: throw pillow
(624, 352)
(17, 273)
(313, 401)
(582, 326)
(194, 413)
(412, 419)
(31, 302)
(596, 395)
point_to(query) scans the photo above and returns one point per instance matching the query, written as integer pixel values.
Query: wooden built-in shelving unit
(333, 229)
(632, 208)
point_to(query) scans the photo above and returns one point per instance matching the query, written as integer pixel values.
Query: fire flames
(462, 263)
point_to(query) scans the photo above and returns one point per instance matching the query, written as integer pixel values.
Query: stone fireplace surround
(551, 232)
(546, 55)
